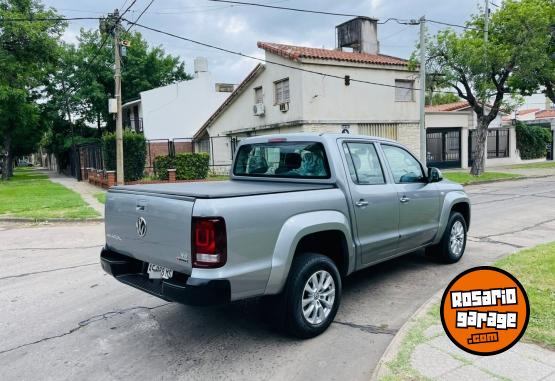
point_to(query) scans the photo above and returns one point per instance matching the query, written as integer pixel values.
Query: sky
(240, 27)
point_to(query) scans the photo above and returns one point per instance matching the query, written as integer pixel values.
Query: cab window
(364, 165)
(404, 167)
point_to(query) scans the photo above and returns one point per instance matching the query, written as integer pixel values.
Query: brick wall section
(409, 136)
(153, 150)
(183, 147)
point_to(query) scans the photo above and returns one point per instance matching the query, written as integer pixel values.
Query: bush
(532, 141)
(134, 154)
(189, 166)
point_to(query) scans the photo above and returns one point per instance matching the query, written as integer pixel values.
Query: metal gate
(443, 147)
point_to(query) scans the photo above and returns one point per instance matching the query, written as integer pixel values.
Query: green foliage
(189, 166)
(441, 99)
(134, 154)
(532, 141)
(89, 83)
(28, 51)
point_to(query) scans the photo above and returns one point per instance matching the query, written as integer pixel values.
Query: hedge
(532, 141)
(134, 154)
(189, 166)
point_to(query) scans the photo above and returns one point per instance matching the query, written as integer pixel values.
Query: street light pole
(422, 86)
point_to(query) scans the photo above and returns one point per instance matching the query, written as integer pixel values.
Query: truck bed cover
(220, 189)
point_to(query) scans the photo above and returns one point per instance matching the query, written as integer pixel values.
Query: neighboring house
(170, 115)
(521, 115)
(285, 95)
(177, 110)
(450, 137)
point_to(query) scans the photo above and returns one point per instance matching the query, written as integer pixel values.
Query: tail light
(209, 242)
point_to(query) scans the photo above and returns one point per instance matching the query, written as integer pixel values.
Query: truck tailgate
(152, 228)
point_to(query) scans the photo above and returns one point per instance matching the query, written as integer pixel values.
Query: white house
(178, 110)
(303, 89)
(450, 142)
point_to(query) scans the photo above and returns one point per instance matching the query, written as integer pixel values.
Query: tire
(306, 271)
(445, 251)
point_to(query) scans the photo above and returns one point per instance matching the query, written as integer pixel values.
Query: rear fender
(293, 230)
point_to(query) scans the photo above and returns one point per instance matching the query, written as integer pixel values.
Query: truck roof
(311, 136)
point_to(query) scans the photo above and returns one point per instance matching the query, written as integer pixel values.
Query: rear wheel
(453, 242)
(312, 295)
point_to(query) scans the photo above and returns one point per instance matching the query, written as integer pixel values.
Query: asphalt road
(61, 317)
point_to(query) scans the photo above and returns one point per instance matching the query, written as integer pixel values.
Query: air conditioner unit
(283, 107)
(258, 109)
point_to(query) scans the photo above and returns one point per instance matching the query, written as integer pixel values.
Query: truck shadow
(249, 318)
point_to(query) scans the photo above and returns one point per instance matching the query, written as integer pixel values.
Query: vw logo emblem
(141, 227)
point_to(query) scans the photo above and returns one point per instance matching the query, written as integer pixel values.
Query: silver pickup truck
(300, 212)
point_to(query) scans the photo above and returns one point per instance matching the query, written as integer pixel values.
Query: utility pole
(486, 22)
(423, 150)
(117, 78)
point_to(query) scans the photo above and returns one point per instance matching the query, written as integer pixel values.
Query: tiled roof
(527, 111)
(545, 114)
(295, 53)
(448, 107)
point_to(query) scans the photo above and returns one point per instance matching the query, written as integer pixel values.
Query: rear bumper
(181, 288)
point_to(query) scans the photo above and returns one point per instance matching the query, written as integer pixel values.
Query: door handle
(361, 203)
(404, 199)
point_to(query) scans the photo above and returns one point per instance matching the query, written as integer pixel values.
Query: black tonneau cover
(220, 189)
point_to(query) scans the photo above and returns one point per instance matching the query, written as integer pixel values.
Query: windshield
(282, 159)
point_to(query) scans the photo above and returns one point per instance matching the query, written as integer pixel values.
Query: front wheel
(312, 294)
(453, 243)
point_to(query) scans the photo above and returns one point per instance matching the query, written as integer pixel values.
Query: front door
(419, 204)
(375, 203)
(443, 147)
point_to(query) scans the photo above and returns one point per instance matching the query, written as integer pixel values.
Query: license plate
(159, 272)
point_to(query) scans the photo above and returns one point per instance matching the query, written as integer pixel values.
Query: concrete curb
(393, 348)
(17, 220)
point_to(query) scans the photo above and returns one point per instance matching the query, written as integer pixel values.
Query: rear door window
(282, 159)
(364, 164)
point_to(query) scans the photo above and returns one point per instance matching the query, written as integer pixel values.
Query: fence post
(171, 175)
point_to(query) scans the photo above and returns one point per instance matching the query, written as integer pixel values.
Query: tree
(541, 72)
(143, 68)
(441, 98)
(479, 71)
(27, 52)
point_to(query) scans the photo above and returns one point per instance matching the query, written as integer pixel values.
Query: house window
(258, 95)
(382, 130)
(404, 90)
(281, 94)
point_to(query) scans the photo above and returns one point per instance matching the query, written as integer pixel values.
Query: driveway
(63, 318)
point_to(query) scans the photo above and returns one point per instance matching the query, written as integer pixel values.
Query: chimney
(201, 65)
(360, 34)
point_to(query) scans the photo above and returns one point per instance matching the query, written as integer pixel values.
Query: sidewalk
(422, 350)
(85, 189)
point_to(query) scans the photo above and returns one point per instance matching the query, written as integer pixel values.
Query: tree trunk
(479, 156)
(7, 168)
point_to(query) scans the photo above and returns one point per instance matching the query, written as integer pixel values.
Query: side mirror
(434, 175)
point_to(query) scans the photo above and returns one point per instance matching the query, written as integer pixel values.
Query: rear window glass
(282, 159)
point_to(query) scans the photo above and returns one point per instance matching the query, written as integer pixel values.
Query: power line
(265, 60)
(455, 25)
(279, 63)
(142, 13)
(43, 19)
(284, 8)
(105, 39)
